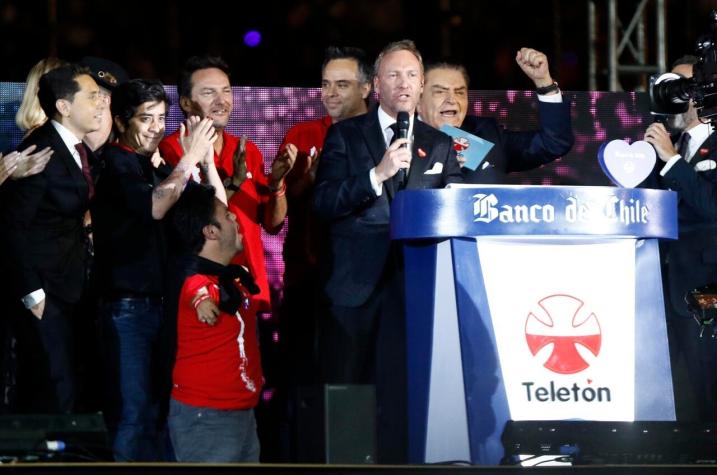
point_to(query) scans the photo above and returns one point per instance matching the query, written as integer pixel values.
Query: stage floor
(291, 469)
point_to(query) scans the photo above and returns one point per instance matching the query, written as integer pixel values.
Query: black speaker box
(84, 435)
(336, 424)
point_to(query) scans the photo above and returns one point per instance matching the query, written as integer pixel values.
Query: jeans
(130, 333)
(201, 434)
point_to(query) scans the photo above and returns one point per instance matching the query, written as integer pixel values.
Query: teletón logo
(564, 322)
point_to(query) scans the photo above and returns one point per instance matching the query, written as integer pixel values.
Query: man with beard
(256, 199)
(689, 167)
(217, 376)
(133, 195)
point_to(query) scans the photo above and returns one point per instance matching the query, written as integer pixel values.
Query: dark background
(151, 38)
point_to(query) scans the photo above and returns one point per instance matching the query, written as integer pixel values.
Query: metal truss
(627, 45)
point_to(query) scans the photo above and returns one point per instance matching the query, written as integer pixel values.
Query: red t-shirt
(216, 366)
(245, 204)
(305, 236)
(307, 134)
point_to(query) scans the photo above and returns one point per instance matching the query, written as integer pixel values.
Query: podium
(531, 303)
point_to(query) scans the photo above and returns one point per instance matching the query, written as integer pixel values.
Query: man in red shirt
(256, 199)
(345, 87)
(217, 375)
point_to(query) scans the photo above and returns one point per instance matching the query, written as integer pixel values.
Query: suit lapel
(373, 135)
(420, 161)
(64, 154)
(705, 151)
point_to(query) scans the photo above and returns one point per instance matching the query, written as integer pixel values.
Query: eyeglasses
(105, 95)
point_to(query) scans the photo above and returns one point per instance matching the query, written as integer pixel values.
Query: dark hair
(453, 66)
(60, 83)
(195, 63)
(686, 59)
(349, 52)
(189, 215)
(402, 45)
(127, 97)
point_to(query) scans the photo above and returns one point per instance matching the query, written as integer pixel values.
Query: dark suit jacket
(691, 261)
(516, 151)
(359, 241)
(42, 220)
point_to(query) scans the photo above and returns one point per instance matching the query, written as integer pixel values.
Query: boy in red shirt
(217, 375)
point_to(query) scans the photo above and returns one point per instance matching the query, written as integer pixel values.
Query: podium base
(611, 443)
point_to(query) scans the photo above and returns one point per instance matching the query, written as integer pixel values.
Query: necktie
(399, 178)
(394, 128)
(86, 169)
(683, 146)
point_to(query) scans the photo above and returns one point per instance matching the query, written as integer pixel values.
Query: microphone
(403, 124)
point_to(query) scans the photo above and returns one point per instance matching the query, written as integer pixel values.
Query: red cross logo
(563, 321)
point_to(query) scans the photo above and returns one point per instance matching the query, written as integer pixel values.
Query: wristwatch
(229, 184)
(547, 89)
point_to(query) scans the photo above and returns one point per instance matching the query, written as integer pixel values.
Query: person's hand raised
(535, 65)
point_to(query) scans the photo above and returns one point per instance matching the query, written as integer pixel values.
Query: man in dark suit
(689, 167)
(361, 170)
(445, 101)
(45, 243)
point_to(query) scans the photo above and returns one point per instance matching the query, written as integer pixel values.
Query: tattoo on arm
(159, 193)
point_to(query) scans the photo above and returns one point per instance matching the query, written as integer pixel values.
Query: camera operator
(691, 261)
(692, 133)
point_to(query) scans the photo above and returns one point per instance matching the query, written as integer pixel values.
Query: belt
(136, 296)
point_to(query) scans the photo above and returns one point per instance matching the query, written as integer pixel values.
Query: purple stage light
(252, 38)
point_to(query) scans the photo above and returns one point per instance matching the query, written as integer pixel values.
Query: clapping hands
(17, 165)
(283, 163)
(199, 141)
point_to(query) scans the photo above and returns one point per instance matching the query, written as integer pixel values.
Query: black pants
(694, 370)
(45, 358)
(367, 345)
(298, 328)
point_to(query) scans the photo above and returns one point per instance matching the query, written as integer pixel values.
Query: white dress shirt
(698, 135)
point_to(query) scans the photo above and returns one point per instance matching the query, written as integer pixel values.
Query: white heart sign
(627, 165)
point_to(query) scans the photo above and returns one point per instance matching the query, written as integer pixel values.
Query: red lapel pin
(421, 153)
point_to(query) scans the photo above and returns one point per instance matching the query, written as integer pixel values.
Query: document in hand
(469, 147)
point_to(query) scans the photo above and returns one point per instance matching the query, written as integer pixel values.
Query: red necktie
(86, 168)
